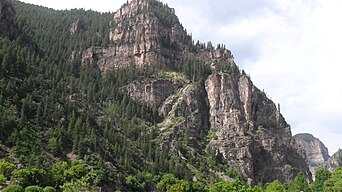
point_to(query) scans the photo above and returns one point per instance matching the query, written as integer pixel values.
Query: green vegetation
(321, 176)
(334, 182)
(235, 185)
(49, 189)
(275, 186)
(299, 184)
(13, 188)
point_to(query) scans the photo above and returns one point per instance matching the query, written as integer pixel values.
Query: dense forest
(70, 128)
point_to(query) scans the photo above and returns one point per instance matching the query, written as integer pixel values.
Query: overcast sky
(291, 49)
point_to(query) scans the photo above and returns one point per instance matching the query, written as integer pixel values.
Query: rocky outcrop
(334, 161)
(152, 91)
(186, 117)
(143, 33)
(75, 27)
(316, 152)
(148, 33)
(250, 133)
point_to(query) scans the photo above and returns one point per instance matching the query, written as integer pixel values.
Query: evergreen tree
(321, 176)
(299, 184)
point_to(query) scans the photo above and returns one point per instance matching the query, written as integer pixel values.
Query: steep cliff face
(186, 118)
(143, 33)
(316, 152)
(251, 134)
(244, 128)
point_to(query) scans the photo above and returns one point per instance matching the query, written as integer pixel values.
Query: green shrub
(33, 189)
(3, 179)
(49, 189)
(6, 168)
(13, 188)
(275, 186)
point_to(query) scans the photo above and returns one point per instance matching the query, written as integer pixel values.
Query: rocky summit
(146, 33)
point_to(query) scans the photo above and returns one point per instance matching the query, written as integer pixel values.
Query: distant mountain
(316, 152)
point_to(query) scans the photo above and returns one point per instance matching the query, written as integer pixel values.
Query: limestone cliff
(222, 112)
(316, 152)
(251, 134)
(144, 32)
(148, 33)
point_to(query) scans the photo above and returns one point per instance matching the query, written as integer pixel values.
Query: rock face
(142, 36)
(334, 161)
(75, 27)
(148, 33)
(251, 134)
(185, 115)
(316, 152)
(152, 91)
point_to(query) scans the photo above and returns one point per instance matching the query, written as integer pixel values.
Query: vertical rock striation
(143, 33)
(251, 134)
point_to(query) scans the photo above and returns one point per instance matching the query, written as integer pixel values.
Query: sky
(290, 48)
